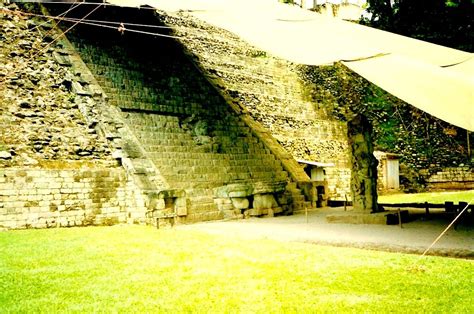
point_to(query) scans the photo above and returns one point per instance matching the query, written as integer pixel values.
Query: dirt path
(414, 237)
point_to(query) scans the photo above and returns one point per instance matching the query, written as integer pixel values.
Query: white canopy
(433, 78)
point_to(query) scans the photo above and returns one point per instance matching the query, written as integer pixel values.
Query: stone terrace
(196, 142)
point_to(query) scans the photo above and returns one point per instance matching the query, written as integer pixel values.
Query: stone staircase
(190, 163)
(270, 91)
(183, 126)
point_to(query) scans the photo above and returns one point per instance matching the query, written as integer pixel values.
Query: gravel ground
(414, 237)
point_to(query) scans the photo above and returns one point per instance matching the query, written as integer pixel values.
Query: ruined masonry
(268, 93)
(105, 128)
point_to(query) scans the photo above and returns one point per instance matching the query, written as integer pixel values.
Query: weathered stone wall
(270, 92)
(59, 141)
(458, 178)
(44, 198)
(40, 118)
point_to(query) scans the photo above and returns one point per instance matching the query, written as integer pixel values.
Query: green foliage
(447, 23)
(423, 141)
(452, 3)
(143, 270)
(336, 89)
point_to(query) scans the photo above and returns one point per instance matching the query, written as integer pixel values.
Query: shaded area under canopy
(436, 79)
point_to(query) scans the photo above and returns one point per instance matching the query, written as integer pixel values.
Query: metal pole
(468, 145)
(400, 218)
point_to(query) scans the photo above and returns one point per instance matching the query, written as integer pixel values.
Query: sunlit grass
(432, 197)
(141, 269)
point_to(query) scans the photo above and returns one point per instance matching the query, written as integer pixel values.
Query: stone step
(182, 163)
(256, 171)
(157, 144)
(156, 156)
(170, 145)
(227, 133)
(180, 149)
(202, 207)
(150, 119)
(191, 154)
(176, 149)
(160, 131)
(206, 198)
(147, 140)
(230, 176)
(292, 188)
(154, 124)
(264, 160)
(200, 192)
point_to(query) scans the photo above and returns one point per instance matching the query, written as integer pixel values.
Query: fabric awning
(441, 92)
(316, 163)
(433, 78)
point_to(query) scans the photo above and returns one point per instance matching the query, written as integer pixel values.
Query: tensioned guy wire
(121, 26)
(73, 6)
(54, 40)
(84, 21)
(447, 228)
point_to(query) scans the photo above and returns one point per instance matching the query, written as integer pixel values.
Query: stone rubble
(58, 154)
(40, 115)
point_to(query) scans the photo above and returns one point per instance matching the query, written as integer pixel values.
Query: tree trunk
(364, 165)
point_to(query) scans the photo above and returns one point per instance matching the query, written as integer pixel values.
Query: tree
(448, 23)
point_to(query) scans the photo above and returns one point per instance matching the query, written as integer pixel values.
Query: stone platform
(388, 217)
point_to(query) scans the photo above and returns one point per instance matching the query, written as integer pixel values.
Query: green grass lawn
(141, 269)
(432, 197)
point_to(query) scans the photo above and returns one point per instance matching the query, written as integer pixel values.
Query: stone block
(234, 190)
(264, 201)
(358, 218)
(226, 207)
(270, 212)
(239, 193)
(228, 214)
(277, 210)
(240, 202)
(256, 212)
(181, 210)
(157, 204)
(220, 201)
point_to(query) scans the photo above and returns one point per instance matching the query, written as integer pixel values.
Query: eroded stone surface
(40, 116)
(240, 202)
(264, 201)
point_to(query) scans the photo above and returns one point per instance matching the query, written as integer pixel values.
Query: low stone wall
(461, 178)
(43, 198)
